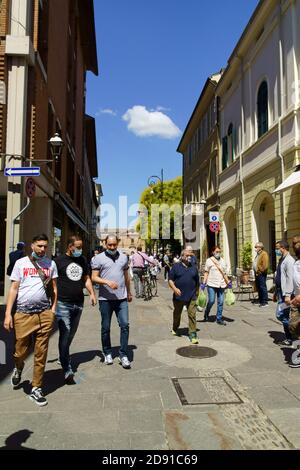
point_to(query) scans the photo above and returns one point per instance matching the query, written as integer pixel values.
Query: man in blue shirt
(184, 281)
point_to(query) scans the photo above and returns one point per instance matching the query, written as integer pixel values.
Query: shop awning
(291, 180)
(70, 213)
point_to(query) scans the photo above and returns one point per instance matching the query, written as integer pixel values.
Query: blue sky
(154, 58)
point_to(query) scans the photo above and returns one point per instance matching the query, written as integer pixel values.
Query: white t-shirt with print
(31, 294)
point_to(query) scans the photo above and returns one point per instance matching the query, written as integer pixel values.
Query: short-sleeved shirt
(111, 268)
(71, 278)
(297, 277)
(185, 278)
(32, 296)
(215, 278)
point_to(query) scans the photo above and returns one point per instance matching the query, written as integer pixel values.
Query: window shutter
(224, 153)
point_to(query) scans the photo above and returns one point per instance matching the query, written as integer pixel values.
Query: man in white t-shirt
(35, 312)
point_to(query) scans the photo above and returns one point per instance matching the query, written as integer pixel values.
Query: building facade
(199, 147)
(47, 48)
(259, 132)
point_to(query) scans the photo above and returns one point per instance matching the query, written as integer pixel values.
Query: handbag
(47, 281)
(221, 271)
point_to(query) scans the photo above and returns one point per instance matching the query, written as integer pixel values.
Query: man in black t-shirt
(73, 276)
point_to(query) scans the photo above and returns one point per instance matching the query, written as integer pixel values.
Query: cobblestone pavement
(244, 397)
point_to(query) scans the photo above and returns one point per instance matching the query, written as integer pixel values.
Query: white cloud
(106, 111)
(145, 123)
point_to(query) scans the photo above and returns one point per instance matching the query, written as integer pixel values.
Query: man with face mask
(184, 281)
(294, 323)
(260, 267)
(35, 313)
(73, 276)
(111, 272)
(284, 288)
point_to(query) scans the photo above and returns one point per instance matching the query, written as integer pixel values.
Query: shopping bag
(229, 297)
(202, 299)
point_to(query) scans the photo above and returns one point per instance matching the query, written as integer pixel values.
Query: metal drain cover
(196, 352)
(205, 391)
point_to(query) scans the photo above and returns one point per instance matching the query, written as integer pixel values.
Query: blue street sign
(23, 171)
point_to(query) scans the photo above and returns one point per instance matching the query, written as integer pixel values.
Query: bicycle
(147, 284)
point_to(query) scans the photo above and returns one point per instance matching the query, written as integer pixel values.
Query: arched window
(262, 109)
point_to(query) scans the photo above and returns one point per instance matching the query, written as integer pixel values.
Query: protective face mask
(278, 252)
(112, 252)
(76, 253)
(35, 256)
(217, 255)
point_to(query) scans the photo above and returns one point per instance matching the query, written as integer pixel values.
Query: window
(230, 143)
(262, 109)
(224, 153)
(70, 175)
(43, 25)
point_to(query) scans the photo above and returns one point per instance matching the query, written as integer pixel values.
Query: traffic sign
(214, 226)
(214, 216)
(30, 188)
(23, 171)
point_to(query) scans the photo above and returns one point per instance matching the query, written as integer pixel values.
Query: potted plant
(246, 262)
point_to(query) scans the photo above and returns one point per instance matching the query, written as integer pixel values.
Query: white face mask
(217, 255)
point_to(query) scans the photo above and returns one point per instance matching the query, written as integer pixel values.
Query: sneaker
(264, 305)
(69, 377)
(175, 333)
(16, 377)
(294, 366)
(205, 317)
(221, 322)
(286, 342)
(125, 362)
(194, 340)
(108, 360)
(38, 397)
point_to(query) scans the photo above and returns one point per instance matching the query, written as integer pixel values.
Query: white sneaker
(125, 362)
(108, 360)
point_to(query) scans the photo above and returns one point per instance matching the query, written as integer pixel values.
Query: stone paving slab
(113, 408)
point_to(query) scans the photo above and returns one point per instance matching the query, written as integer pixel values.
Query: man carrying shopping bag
(184, 281)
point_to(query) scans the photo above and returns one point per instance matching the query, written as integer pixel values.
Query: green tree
(158, 205)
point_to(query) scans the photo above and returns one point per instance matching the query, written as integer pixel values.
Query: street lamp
(56, 146)
(152, 180)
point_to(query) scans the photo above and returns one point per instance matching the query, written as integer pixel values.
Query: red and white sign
(30, 188)
(215, 227)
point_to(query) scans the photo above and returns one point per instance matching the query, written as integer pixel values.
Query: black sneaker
(285, 342)
(221, 322)
(38, 397)
(16, 377)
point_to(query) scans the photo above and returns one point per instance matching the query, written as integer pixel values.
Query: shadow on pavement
(15, 440)
(277, 336)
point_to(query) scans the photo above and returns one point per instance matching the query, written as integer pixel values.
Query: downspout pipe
(283, 199)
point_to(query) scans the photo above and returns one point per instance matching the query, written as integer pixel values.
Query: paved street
(245, 397)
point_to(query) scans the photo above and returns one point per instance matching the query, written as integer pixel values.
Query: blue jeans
(120, 307)
(283, 315)
(68, 317)
(261, 285)
(212, 291)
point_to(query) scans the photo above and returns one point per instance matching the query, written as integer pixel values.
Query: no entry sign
(214, 227)
(30, 188)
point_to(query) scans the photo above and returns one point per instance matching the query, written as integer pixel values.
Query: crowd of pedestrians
(44, 290)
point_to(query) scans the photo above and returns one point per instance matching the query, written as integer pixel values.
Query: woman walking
(216, 280)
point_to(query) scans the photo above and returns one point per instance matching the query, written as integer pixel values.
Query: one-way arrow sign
(23, 171)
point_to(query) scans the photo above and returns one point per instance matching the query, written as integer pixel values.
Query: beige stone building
(199, 147)
(259, 131)
(129, 239)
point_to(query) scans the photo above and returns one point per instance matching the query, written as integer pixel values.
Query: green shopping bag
(229, 297)
(202, 299)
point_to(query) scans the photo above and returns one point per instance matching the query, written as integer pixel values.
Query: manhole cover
(197, 352)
